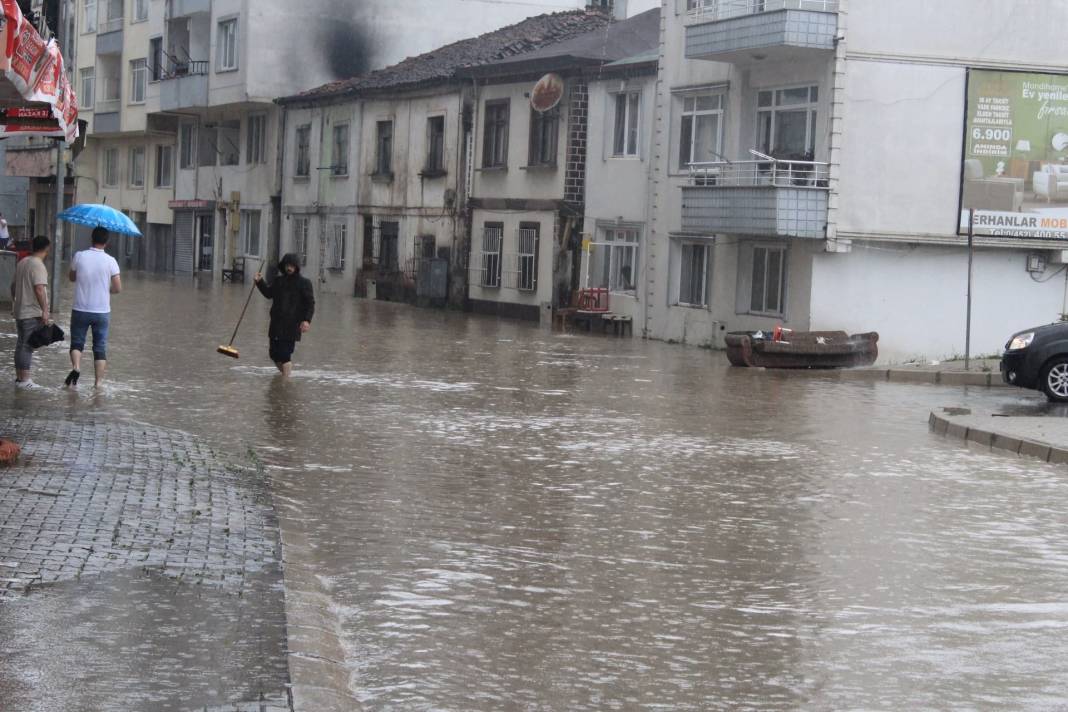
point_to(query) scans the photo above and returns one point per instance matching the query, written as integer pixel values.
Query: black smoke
(343, 39)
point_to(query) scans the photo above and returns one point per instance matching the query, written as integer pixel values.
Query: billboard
(1015, 169)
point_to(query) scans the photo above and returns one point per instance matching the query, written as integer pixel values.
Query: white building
(390, 220)
(811, 165)
(529, 193)
(618, 172)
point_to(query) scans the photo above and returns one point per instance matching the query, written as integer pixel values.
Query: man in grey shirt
(30, 293)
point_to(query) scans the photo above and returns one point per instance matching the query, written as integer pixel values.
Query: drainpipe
(280, 175)
(57, 248)
(836, 130)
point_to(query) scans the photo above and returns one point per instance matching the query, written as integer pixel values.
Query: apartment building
(529, 190)
(618, 170)
(811, 163)
(126, 163)
(377, 169)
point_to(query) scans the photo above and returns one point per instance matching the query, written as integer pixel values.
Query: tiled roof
(441, 64)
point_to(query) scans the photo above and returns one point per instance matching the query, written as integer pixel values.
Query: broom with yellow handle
(228, 349)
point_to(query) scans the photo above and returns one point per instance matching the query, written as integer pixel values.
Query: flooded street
(508, 518)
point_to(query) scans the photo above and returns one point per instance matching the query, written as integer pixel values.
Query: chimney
(617, 9)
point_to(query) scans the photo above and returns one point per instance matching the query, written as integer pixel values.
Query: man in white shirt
(95, 274)
(5, 235)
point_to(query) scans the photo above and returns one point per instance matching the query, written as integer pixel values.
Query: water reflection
(511, 519)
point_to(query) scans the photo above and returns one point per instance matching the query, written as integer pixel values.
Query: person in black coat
(291, 312)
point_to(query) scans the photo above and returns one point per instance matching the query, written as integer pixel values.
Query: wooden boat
(801, 349)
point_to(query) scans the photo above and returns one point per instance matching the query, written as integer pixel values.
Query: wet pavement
(488, 516)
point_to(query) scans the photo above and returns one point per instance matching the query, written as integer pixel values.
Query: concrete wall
(915, 297)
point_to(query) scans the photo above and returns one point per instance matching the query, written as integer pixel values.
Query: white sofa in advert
(1051, 182)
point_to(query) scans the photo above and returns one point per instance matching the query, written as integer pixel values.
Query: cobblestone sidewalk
(137, 571)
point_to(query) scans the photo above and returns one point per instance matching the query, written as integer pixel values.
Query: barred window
(336, 239)
(492, 236)
(527, 258)
(300, 239)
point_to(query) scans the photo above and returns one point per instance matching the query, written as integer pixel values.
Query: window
(340, 164)
(137, 167)
(495, 140)
(628, 118)
(426, 247)
(256, 139)
(693, 274)
(111, 167)
(614, 260)
(544, 130)
(90, 16)
(300, 239)
(226, 47)
(389, 247)
(187, 145)
(492, 237)
(701, 131)
(138, 81)
(786, 123)
(88, 93)
(114, 15)
(229, 143)
(155, 58)
(164, 166)
(527, 257)
(140, 10)
(336, 240)
(303, 167)
(384, 151)
(250, 230)
(769, 281)
(207, 146)
(435, 141)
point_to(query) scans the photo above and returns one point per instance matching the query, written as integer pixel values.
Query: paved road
(137, 572)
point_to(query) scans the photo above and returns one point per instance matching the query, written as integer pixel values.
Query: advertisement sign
(1015, 170)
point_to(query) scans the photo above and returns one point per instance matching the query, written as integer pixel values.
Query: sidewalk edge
(1046, 452)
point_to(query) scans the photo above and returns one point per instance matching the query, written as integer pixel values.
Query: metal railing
(726, 9)
(187, 68)
(766, 172)
(113, 25)
(107, 106)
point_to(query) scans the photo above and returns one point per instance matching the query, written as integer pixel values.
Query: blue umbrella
(93, 215)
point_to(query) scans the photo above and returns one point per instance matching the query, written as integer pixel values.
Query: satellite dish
(1060, 142)
(547, 93)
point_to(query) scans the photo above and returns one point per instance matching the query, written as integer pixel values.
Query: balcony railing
(188, 68)
(711, 10)
(107, 106)
(767, 172)
(113, 25)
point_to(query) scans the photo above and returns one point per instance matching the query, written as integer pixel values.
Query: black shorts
(282, 350)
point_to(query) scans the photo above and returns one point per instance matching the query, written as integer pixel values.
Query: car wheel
(1055, 379)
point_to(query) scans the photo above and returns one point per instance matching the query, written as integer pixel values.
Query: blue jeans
(80, 323)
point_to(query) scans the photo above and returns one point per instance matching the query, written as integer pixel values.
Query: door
(205, 240)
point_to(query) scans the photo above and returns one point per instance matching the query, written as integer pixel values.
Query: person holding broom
(291, 311)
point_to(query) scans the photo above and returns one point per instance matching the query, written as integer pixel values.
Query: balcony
(766, 198)
(742, 31)
(188, 8)
(109, 37)
(184, 86)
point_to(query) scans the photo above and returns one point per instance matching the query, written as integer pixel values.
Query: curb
(943, 378)
(945, 426)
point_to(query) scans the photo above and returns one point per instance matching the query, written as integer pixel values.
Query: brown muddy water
(506, 518)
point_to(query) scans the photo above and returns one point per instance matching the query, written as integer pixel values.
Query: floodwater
(510, 519)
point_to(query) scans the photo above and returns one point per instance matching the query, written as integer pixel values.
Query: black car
(1038, 359)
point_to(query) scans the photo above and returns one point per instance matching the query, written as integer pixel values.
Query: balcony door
(786, 123)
